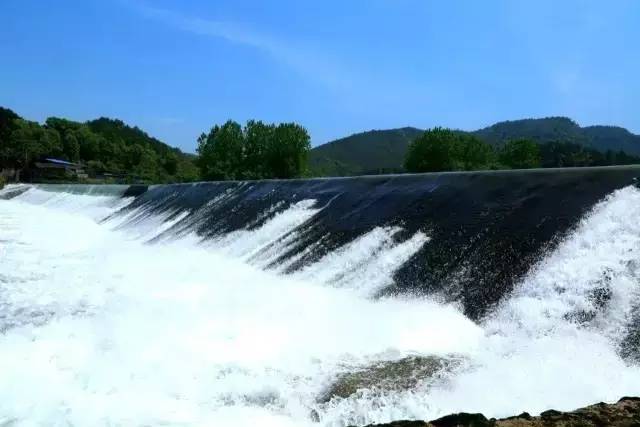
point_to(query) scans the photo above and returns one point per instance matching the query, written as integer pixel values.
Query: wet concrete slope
(485, 228)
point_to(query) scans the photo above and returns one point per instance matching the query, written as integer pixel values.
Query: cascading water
(140, 311)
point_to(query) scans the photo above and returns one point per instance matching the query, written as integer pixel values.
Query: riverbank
(624, 413)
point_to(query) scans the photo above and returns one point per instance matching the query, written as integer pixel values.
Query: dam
(243, 303)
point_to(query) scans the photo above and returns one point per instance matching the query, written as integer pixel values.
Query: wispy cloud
(302, 59)
(169, 121)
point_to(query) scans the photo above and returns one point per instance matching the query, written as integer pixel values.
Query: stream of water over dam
(242, 303)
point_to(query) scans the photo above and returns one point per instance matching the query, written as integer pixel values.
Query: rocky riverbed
(624, 413)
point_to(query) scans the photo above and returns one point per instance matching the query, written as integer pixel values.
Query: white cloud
(304, 60)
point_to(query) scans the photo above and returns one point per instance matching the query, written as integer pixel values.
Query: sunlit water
(99, 327)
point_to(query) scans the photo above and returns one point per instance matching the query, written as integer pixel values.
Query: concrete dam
(320, 302)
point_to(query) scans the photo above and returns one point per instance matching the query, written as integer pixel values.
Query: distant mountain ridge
(380, 151)
(375, 151)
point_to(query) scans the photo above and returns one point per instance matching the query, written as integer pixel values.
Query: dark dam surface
(485, 228)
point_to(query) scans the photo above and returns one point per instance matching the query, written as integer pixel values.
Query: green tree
(256, 151)
(187, 170)
(67, 131)
(7, 125)
(104, 145)
(30, 141)
(221, 152)
(89, 144)
(437, 149)
(71, 146)
(287, 151)
(257, 140)
(520, 154)
(476, 154)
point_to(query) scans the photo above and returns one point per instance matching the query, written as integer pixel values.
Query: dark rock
(397, 375)
(550, 413)
(402, 424)
(524, 416)
(463, 420)
(624, 413)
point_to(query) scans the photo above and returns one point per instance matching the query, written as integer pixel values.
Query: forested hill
(384, 150)
(373, 152)
(147, 155)
(562, 129)
(107, 147)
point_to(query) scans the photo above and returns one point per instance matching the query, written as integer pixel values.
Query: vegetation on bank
(107, 148)
(110, 150)
(562, 143)
(255, 151)
(442, 149)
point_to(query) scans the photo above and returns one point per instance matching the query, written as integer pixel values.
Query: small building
(56, 169)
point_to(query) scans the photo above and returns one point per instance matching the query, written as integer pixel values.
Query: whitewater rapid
(134, 320)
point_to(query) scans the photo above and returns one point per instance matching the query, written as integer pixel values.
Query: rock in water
(624, 413)
(396, 375)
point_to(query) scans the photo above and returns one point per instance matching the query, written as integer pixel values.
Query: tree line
(441, 149)
(104, 146)
(108, 147)
(257, 150)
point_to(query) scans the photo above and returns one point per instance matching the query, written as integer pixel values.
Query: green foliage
(436, 150)
(7, 126)
(105, 146)
(257, 139)
(67, 130)
(563, 130)
(520, 154)
(476, 155)
(383, 151)
(373, 152)
(559, 154)
(221, 152)
(287, 150)
(442, 149)
(257, 151)
(30, 141)
(123, 149)
(109, 147)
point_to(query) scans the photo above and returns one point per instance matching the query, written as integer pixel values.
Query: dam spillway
(241, 303)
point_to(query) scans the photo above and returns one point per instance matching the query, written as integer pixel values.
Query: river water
(103, 324)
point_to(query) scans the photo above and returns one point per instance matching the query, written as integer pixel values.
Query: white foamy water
(100, 328)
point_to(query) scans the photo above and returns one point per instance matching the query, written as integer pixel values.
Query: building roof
(62, 162)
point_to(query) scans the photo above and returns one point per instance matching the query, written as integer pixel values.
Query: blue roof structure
(61, 162)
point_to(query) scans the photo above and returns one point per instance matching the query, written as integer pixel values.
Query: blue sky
(174, 68)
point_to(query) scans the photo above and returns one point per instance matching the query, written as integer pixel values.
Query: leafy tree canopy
(255, 151)
(103, 145)
(440, 149)
(520, 154)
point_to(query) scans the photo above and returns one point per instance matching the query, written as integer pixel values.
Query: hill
(106, 147)
(384, 150)
(373, 152)
(562, 129)
(130, 149)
